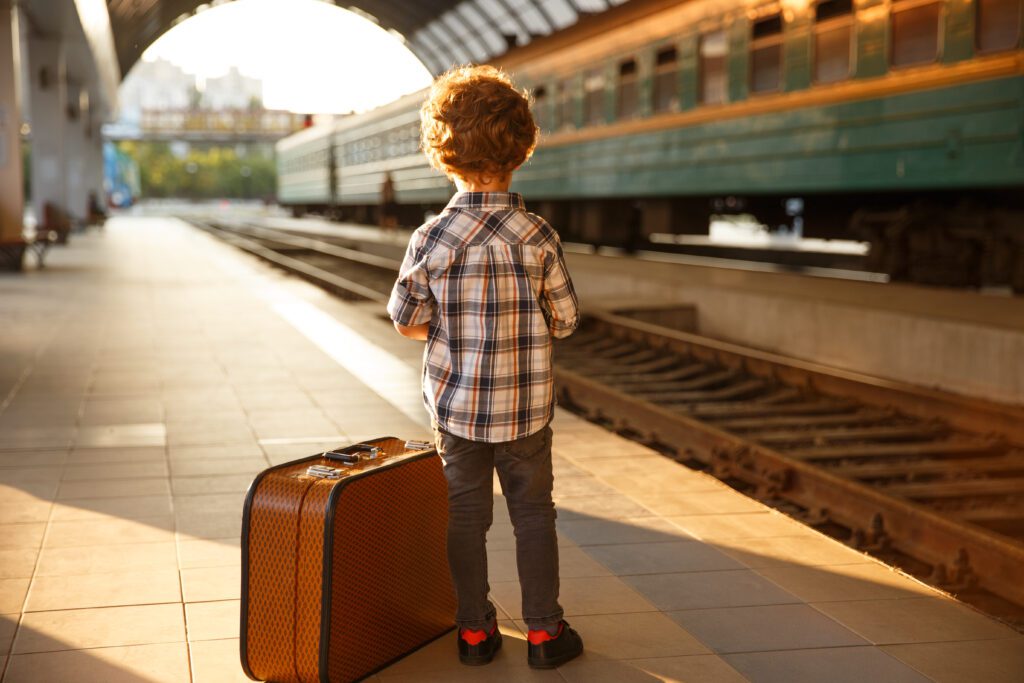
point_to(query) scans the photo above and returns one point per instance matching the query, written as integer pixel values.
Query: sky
(311, 55)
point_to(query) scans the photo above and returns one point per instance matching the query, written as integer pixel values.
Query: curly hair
(475, 123)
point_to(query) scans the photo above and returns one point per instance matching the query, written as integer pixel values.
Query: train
(897, 122)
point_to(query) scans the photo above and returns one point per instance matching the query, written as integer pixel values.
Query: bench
(56, 221)
(39, 242)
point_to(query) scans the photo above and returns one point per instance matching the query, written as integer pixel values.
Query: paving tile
(104, 471)
(216, 451)
(914, 620)
(21, 535)
(86, 532)
(215, 465)
(17, 475)
(221, 552)
(661, 558)
(869, 581)
(127, 508)
(587, 532)
(741, 525)
(766, 627)
(835, 665)
(633, 636)
(17, 563)
(581, 486)
(8, 626)
(117, 488)
(12, 595)
(572, 561)
(621, 449)
(159, 663)
(79, 629)
(26, 511)
(82, 456)
(103, 590)
(213, 504)
(32, 458)
(702, 502)
(121, 411)
(701, 590)
(26, 492)
(690, 669)
(613, 506)
(212, 620)
(439, 660)
(100, 559)
(584, 595)
(197, 525)
(216, 661)
(611, 468)
(781, 551)
(278, 452)
(225, 483)
(122, 435)
(203, 584)
(211, 437)
(991, 661)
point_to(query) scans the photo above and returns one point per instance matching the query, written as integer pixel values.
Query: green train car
(896, 121)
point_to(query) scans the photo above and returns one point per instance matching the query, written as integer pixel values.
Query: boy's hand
(417, 332)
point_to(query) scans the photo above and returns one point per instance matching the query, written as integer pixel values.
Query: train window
(593, 98)
(628, 99)
(766, 54)
(833, 34)
(915, 32)
(540, 108)
(666, 80)
(712, 67)
(998, 25)
(564, 106)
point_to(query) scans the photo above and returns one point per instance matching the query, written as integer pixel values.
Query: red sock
(542, 635)
(475, 637)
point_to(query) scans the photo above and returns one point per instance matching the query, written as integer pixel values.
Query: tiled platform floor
(150, 372)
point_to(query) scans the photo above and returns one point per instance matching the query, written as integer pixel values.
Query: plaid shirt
(491, 281)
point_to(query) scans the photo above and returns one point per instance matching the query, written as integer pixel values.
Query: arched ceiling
(439, 32)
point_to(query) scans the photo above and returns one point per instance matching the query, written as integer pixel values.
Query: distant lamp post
(191, 168)
(246, 173)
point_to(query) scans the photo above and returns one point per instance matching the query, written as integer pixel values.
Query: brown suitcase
(343, 576)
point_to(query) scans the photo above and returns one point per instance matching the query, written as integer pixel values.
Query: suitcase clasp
(324, 472)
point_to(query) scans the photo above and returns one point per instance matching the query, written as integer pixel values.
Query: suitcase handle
(349, 457)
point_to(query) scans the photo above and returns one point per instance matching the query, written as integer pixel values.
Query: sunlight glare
(312, 56)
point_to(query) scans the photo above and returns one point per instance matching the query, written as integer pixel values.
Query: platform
(149, 372)
(958, 340)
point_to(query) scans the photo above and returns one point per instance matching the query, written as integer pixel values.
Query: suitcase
(344, 568)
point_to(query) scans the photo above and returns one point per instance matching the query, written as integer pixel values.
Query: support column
(12, 247)
(76, 152)
(48, 94)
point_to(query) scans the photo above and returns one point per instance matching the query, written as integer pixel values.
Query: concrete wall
(958, 341)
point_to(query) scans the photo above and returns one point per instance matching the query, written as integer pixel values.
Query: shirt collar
(487, 200)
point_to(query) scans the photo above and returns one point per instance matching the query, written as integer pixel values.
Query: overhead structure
(440, 32)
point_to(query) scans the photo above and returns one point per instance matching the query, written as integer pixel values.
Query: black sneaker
(477, 648)
(547, 651)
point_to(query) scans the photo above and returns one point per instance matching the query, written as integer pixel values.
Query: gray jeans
(524, 470)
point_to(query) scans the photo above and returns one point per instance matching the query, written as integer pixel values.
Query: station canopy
(439, 32)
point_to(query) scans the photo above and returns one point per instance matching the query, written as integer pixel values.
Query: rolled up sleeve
(411, 302)
(558, 298)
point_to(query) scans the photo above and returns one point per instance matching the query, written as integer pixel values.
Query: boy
(485, 284)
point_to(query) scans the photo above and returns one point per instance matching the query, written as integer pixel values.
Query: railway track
(346, 271)
(927, 481)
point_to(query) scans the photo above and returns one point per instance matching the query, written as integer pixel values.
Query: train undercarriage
(960, 239)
